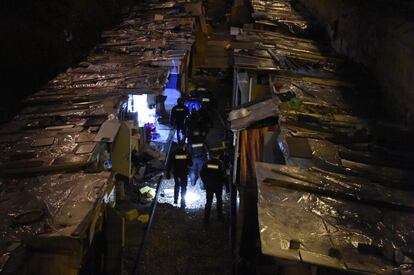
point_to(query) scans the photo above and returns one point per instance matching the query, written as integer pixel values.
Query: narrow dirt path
(179, 243)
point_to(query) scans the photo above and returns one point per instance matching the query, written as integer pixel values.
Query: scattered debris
(148, 192)
(143, 218)
(132, 215)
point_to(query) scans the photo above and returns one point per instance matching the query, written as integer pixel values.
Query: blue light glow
(192, 104)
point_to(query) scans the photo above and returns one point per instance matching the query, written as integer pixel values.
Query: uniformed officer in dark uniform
(193, 126)
(205, 119)
(179, 162)
(207, 103)
(206, 98)
(199, 153)
(214, 176)
(177, 118)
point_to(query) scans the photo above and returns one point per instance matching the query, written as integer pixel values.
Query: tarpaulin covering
(279, 14)
(65, 200)
(257, 112)
(61, 131)
(331, 231)
(343, 199)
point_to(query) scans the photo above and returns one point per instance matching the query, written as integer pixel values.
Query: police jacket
(193, 125)
(198, 150)
(207, 99)
(205, 118)
(179, 162)
(213, 175)
(178, 114)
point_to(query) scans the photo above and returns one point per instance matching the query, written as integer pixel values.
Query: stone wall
(42, 38)
(379, 35)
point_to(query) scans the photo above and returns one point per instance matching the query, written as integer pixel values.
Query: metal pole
(233, 195)
(250, 88)
(235, 88)
(135, 271)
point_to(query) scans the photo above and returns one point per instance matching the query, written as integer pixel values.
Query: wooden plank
(259, 111)
(203, 24)
(108, 131)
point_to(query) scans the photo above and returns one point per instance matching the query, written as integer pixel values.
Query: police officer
(207, 103)
(199, 153)
(213, 176)
(179, 162)
(193, 126)
(206, 98)
(205, 119)
(177, 118)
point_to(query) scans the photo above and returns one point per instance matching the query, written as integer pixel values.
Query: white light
(191, 197)
(139, 103)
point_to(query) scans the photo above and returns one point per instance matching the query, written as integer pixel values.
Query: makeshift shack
(324, 201)
(64, 154)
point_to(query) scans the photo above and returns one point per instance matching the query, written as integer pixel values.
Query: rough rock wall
(40, 38)
(380, 35)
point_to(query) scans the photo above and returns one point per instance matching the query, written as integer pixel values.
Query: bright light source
(191, 197)
(139, 103)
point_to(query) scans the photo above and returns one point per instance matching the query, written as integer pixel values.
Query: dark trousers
(209, 200)
(180, 183)
(195, 169)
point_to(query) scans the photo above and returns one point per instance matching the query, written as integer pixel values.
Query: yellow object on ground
(131, 215)
(148, 192)
(143, 218)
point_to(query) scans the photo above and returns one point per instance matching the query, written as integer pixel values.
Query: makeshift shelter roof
(68, 123)
(256, 112)
(333, 221)
(343, 198)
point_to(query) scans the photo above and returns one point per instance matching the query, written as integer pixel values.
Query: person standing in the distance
(177, 118)
(193, 126)
(206, 121)
(214, 177)
(208, 104)
(207, 99)
(179, 163)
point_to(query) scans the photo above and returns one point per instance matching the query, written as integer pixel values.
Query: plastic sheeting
(280, 14)
(326, 98)
(342, 186)
(123, 75)
(322, 230)
(251, 61)
(322, 153)
(42, 149)
(335, 158)
(258, 112)
(65, 199)
(57, 127)
(344, 198)
(134, 58)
